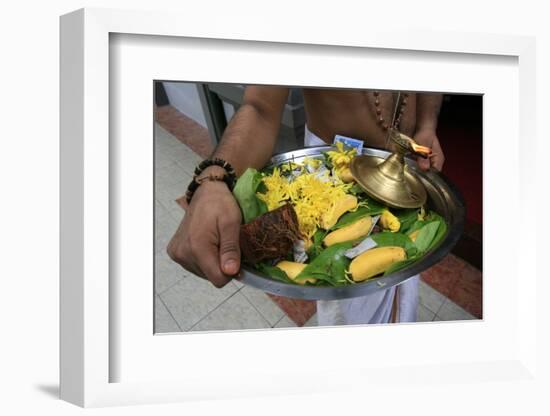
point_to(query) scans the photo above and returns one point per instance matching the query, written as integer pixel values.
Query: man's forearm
(427, 111)
(248, 140)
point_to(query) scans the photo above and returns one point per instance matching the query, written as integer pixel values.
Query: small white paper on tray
(300, 255)
(364, 245)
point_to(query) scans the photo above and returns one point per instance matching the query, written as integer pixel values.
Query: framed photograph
(275, 288)
(138, 328)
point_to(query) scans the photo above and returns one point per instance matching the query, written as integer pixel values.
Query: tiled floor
(185, 302)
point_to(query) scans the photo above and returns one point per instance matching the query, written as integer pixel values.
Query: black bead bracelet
(229, 178)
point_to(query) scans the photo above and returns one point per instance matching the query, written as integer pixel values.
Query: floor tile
(235, 313)
(166, 195)
(423, 314)
(430, 297)
(285, 322)
(468, 291)
(468, 296)
(164, 139)
(170, 175)
(312, 321)
(450, 311)
(269, 309)
(167, 272)
(298, 310)
(444, 275)
(185, 130)
(192, 298)
(162, 157)
(164, 322)
(186, 158)
(170, 272)
(238, 283)
(159, 208)
(169, 149)
(165, 227)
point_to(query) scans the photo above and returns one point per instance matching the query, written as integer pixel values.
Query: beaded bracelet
(229, 178)
(214, 162)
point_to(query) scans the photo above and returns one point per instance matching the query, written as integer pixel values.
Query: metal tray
(443, 198)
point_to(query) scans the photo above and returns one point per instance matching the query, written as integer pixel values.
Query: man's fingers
(181, 259)
(230, 253)
(438, 157)
(437, 162)
(424, 164)
(207, 258)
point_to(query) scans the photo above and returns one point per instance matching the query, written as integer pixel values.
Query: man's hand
(427, 137)
(207, 240)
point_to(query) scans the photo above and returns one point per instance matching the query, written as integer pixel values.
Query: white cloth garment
(375, 308)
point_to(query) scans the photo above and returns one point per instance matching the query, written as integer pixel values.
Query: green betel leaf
(350, 217)
(330, 265)
(417, 225)
(317, 246)
(356, 190)
(361, 212)
(245, 193)
(400, 265)
(426, 235)
(274, 272)
(434, 216)
(326, 157)
(407, 217)
(431, 218)
(441, 232)
(387, 238)
(372, 203)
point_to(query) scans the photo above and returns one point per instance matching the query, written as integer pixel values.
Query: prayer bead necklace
(380, 119)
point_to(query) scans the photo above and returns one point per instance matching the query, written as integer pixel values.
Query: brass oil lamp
(390, 180)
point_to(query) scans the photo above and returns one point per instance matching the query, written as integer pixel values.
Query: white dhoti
(400, 301)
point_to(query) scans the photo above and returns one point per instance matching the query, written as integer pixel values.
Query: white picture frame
(88, 297)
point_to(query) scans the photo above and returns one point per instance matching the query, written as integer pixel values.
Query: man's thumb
(230, 253)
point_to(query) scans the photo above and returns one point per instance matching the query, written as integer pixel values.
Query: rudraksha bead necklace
(380, 118)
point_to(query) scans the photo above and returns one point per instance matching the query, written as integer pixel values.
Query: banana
(351, 232)
(345, 175)
(375, 261)
(293, 269)
(390, 222)
(341, 206)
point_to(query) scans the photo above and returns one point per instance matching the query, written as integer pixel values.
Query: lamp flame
(423, 151)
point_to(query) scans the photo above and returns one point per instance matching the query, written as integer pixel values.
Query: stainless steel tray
(443, 198)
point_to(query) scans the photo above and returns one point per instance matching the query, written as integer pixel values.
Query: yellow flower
(290, 166)
(341, 158)
(313, 163)
(310, 196)
(277, 186)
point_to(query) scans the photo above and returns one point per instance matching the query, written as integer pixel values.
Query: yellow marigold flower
(341, 158)
(314, 163)
(310, 196)
(290, 166)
